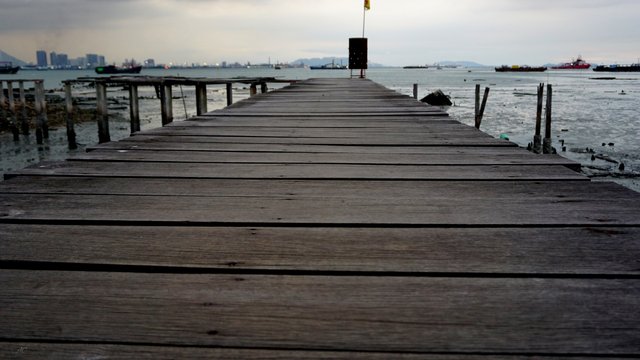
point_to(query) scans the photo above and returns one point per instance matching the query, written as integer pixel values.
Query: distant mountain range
(469, 64)
(345, 61)
(6, 57)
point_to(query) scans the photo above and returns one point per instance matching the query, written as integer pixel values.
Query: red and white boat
(577, 64)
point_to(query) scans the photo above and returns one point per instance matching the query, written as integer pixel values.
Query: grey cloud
(34, 15)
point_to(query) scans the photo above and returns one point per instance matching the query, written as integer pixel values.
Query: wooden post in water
(44, 121)
(71, 132)
(201, 99)
(479, 109)
(483, 106)
(229, 93)
(415, 91)
(24, 124)
(3, 111)
(102, 113)
(263, 87)
(37, 105)
(166, 99)
(546, 143)
(134, 108)
(12, 112)
(477, 106)
(537, 138)
(253, 90)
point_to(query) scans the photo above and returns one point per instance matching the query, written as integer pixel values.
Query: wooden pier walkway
(333, 218)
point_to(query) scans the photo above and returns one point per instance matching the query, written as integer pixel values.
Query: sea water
(595, 121)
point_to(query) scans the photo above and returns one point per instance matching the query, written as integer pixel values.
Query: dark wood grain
(325, 202)
(506, 251)
(454, 157)
(302, 171)
(325, 312)
(62, 351)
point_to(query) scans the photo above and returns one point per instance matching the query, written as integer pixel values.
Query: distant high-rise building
(149, 63)
(101, 61)
(53, 59)
(63, 60)
(92, 60)
(78, 62)
(41, 57)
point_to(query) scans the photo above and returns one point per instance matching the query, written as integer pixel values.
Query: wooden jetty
(333, 218)
(19, 122)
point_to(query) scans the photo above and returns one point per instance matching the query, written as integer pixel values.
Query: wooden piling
(134, 108)
(12, 112)
(253, 90)
(44, 121)
(102, 113)
(483, 106)
(37, 105)
(166, 99)
(415, 91)
(477, 106)
(263, 87)
(201, 99)
(3, 111)
(546, 143)
(537, 138)
(229, 93)
(71, 132)
(24, 123)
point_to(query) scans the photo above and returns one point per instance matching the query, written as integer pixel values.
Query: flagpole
(364, 16)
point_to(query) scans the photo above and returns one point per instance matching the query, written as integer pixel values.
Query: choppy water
(587, 113)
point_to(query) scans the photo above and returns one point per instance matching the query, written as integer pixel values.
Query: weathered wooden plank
(330, 121)
(303, 114)
(334, 203)
(437, 140)
(455, 157)
(62, 351)
(302, 171)
(133, 143)
(470, 315)
(372, 134)
(414, 191)
(508, 251)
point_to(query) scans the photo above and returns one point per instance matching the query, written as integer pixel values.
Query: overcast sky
(400, 32)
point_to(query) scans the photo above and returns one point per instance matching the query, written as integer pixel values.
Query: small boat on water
(618, 68)
(578, 64)
(6, 67)
(330, 66)
(112, 69)
(523, 68)
(415, 67)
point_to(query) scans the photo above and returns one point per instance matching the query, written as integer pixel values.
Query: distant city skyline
(403, 32)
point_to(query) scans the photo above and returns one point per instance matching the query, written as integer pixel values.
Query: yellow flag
(367, 4)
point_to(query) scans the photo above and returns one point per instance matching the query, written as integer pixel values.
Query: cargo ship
(618, 68)
(578, 64)
(7, 67)
(518, 68)
(112, 69)
(331, 66)
(415, 67)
